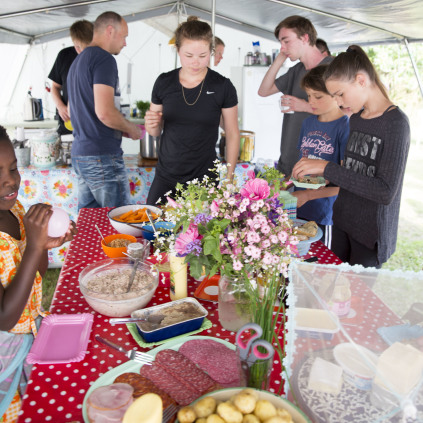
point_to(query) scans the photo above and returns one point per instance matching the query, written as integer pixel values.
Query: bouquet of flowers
(231, 231)
(242, 233)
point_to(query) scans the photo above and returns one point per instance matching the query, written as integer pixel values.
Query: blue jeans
(102, 181)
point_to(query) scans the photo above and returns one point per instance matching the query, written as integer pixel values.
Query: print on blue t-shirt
(324, 141)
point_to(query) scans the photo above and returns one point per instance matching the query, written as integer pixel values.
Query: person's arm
(61, 107)
(154, 119)
(108, 114)
(306, 195)
(230, 120)
(267, 86)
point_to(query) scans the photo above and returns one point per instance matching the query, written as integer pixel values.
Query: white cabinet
(261, 115)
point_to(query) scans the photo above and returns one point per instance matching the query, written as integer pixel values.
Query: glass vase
(233, 303)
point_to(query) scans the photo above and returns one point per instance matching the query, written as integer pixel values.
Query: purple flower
(202, 218)
(194, 247)
(185, 239)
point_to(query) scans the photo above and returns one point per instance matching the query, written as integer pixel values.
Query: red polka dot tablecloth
(56, 392)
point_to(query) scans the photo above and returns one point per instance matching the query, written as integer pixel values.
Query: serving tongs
(137, 356)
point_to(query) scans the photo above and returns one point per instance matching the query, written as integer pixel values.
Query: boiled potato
(250, 391)
(201, 420)
(250, 418)
(214, 418)
(229, 412)
(245, 402)
(264, 410)
(285, 414)
(186, 415)
(277, 419)
(204, 407)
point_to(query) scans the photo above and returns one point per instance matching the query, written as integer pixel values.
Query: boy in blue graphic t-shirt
(323, 136)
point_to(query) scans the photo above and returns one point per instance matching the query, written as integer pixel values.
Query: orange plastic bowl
(115, 252)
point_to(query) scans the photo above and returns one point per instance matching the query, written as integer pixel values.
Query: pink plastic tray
(62, 338)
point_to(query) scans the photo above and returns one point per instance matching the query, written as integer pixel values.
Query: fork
(140, 357)
(169, 412)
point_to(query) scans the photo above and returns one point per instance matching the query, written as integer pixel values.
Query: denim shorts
(102, 181)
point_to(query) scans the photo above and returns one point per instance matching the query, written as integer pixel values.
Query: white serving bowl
(226, 394)
(132, 229)
(119, 304)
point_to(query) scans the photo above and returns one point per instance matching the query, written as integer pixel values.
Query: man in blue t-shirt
(94, 102)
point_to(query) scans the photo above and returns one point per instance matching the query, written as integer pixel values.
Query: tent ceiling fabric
(339, 22)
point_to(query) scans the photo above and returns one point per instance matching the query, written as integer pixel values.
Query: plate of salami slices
(183, 371)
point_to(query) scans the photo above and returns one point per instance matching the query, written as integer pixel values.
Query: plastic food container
(359, 364)
(176, 329)
(119, 304)
(148, 232)
(114, 252)
(133, 229)
(316, 323)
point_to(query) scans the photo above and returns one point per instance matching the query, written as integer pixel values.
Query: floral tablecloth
(56, 392)
(58, 186)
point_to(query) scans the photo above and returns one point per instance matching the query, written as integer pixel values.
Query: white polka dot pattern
(56, 392)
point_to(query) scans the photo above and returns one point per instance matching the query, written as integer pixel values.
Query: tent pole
(213, 24)
(416, 71)
(20, 73)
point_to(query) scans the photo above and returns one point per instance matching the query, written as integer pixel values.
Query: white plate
(297, 415)
(132, 366)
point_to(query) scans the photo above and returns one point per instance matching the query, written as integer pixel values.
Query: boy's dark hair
(300, 26)
(3, 135)
(322, 46)
(313, 79)
(82, 31)
(218, 42)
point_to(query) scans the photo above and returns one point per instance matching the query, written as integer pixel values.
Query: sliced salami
(182, 393)
(185, 370)
(142, 386)
(216, 359)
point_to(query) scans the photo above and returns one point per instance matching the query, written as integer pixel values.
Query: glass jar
(233, 303)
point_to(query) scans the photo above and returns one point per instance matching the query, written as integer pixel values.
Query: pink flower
(267, 259)
(173, 203)
(237, 265)
(214, 207)
(251, 174)
(185, 238)
(255, 189)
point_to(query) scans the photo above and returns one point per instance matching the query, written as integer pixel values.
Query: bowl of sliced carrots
(130, 219)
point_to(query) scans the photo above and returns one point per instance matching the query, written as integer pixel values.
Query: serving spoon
(153, 319)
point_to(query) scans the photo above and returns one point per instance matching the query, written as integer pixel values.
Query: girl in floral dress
(23, 260)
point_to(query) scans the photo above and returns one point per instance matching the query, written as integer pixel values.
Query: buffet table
(58, 186)
(56, 391)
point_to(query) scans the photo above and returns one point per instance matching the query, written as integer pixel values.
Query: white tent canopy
(338, 22)
(32, 33)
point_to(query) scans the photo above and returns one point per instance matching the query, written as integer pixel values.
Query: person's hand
(63, 112)
(294, 104)
(68, 236)
(134, 132)
(153, 119)
(309, 167)
(302, 197)
(36, 225)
